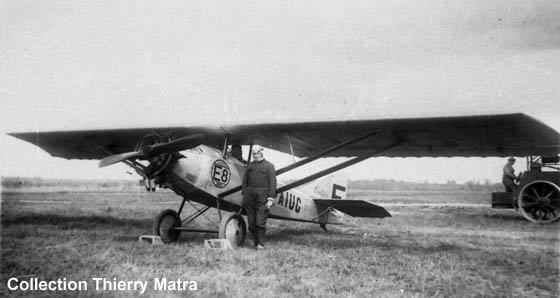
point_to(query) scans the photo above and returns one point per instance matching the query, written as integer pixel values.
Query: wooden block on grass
(222, 244)
(150, 239)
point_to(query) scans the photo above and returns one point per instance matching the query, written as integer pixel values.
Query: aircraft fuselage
(205, 169)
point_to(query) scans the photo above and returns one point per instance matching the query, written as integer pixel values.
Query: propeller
(146, 152)
(113, 159)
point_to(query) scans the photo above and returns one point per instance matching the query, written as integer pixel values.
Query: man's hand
(270, 203)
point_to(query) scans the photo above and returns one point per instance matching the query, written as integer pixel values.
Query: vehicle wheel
(539, 201)
(163, 224)
(233, 228)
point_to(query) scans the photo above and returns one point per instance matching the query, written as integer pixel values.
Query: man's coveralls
(259, 184)
(509, 177)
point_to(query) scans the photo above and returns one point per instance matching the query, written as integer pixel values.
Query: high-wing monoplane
(193, 161)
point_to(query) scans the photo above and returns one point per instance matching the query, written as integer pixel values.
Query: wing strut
(325, 152)
(291, 147)
(330, 170)
(319, 155)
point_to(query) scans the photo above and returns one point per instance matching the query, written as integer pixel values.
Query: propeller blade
(155, 150)
(113, 159)
(176, 145)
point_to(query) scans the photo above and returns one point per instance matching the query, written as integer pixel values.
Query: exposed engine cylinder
(158, 163)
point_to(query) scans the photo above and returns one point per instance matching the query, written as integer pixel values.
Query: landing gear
(233, 228)
(539, 201)
(168, 225)
(164, 225)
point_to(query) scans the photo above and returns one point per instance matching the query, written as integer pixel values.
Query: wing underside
(355, 208)
(483, 136)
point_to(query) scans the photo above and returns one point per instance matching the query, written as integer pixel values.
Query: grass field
(423, 250)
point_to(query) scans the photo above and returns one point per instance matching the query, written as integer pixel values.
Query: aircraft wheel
(233, 228)
(539, 201)
(164, 222)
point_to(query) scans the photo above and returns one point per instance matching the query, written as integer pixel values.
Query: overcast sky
(109, 64)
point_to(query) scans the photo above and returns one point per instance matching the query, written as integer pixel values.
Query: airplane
(193, 161)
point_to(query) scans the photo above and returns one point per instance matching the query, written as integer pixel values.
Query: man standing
(259, 193)
(509, 178)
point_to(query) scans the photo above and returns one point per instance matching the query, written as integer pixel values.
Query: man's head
(511, 160)
(257, 153)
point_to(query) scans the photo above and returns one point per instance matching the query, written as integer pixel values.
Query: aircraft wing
(355, 208)
(486, 135)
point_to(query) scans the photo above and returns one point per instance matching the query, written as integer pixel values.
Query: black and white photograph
(280, 148)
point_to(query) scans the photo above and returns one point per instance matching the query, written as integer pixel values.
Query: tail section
(332, 198)
(332, 187)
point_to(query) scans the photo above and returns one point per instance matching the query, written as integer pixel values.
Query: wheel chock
(222, 244)
(150, 239)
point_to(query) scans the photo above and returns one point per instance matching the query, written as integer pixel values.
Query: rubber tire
(163, 222)
(233, 228)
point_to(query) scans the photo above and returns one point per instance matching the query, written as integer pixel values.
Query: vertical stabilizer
(333, 187)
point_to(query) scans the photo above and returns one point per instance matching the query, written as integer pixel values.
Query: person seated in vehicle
(509, 179)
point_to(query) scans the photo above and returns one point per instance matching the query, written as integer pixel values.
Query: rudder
(333, 186)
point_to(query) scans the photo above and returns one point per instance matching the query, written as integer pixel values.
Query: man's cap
(511, 159)
(257, 148)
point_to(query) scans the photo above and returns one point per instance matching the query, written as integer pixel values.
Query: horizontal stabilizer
(355, 208)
